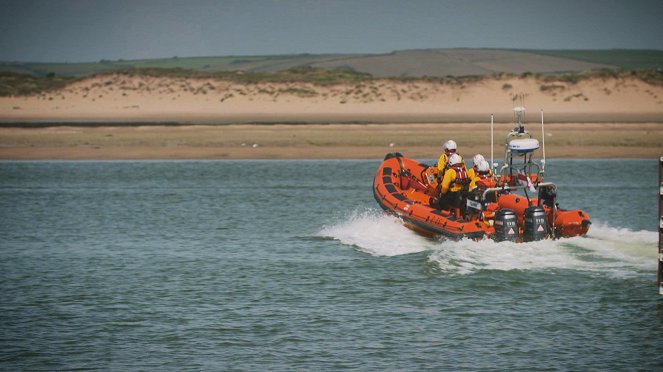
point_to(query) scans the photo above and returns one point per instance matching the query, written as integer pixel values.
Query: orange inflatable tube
(409, 190)
(401, 187)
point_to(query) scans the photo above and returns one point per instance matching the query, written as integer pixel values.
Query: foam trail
(378, 234)
(615, 252)
(603, 231)
(615, 248)
(467, 256)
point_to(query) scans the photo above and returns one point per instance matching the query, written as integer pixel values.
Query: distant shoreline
(317, 141)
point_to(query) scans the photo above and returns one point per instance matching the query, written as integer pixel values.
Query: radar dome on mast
(516, 141)
(523, 145)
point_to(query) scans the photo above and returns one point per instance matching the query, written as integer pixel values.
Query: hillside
(408, 63)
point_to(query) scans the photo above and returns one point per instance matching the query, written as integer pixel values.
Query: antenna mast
(543, 145)
(492, 163)
(520, 114)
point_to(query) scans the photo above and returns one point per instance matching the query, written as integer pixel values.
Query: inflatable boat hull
(401, 187)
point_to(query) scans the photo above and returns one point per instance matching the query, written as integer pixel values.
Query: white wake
(378, 234)
(608, 250)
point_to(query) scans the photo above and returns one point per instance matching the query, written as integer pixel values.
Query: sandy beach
(319, 141)
(133, 117)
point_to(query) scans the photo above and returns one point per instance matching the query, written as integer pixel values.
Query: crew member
(481, 172)
(454, 182)
(449, 148)
(475, 160)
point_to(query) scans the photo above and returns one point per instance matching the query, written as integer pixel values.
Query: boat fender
(506, 225)
(535, 224)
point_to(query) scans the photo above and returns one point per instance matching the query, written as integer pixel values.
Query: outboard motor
(536, 226)
(506, 225)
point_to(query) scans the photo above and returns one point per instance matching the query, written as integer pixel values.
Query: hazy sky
(90, 30)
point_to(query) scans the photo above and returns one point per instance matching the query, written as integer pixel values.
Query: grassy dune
(12, 84)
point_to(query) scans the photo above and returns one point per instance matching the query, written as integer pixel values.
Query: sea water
(291, 265)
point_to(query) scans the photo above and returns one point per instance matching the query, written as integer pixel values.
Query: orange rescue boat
(515, 205)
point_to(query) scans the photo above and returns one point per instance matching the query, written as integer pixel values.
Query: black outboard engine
(506, 225)
(536, 226)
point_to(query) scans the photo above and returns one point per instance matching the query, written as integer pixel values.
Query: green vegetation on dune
(14, 84)
(650, 76)
(303, 74)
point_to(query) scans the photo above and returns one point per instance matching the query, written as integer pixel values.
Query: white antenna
(519, 111)
(543, 143)
(492, 164)
(520, 115)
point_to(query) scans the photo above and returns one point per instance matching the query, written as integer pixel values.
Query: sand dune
(120, 98)
(628, 117)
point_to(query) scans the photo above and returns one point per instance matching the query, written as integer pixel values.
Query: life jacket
(462, 179)
(483, 175)
(485, 179)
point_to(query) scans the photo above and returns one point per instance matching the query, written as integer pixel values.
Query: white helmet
(477, 159)
(483, 166)
(449, 145)
(454, 160)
